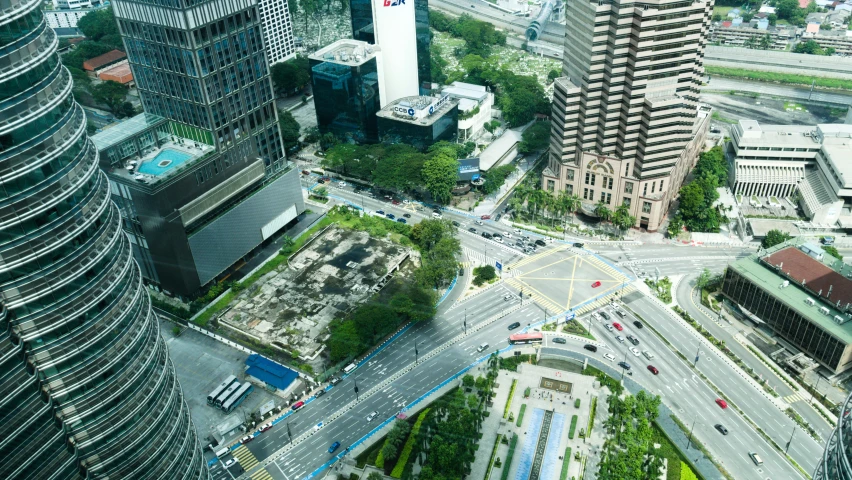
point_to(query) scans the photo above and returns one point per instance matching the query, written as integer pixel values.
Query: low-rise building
(802, 294)
(839, 40)
(725, 33)
(419, 121)
(65, 18)
(475, 102)
(96, 65)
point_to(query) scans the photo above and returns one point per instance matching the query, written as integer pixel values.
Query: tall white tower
(395, 33)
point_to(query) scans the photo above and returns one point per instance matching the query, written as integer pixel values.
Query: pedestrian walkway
(794, 397)
(261, 475)
(542, 300)
(603, 301)
(246, 458)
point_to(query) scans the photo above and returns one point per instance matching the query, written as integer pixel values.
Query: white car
(518, 231)
(498, 239)
(507, 235)
(341, 184)
(230, 462)
(406, 202)
(619, 338)
(596, 316)
(609, 357)
(634, 351)
(479, 222)
(608, 327)
(372, 415)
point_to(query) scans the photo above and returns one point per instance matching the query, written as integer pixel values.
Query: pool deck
(187, 148)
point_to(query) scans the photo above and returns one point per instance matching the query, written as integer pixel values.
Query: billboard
(396, 35)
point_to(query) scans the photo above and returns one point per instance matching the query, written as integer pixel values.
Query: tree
(553, 75)
(491, 126)
(811, 47)
(484, 274)
(773, 19)
(99, 23)
(468, 380)
(675, 227)
(291, 76)
(603, 212)
(375, 475)
(126, 109)
(717, 17)
(832, 251)
(328, 140)
(536, 137)
(704, 278)
(111, 94)
(84, 51)
(622, 218)
(320, 192)
(765, 42)
(774, 237)
(786, 9)
(312, 135)
(440, 174)
(290, 129)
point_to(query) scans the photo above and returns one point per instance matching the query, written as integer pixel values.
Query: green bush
(509, 400)
(566, 460)
(576, 403)
(521, 414)
(573, 426)
(527, 392)
(409, 444)
(512, 443)
(789, 78)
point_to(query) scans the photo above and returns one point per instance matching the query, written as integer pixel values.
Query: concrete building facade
(419, 121)
(475, 104)
(277, 30)
(626, 123)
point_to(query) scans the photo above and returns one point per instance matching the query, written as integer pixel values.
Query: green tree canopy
(99, 23)
(290, 129)
(292, 75)
(832, 251)
(84, 51)
(774, 237)
(536, 137)
(440, 173)
(111, 94)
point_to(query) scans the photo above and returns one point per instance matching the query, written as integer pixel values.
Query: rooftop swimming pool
(164, 161)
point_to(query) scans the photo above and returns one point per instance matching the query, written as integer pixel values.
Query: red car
(298, 405)
(596, 284)
(617, 326)
(265, 427)
(721, 403)
(395, 202)
(485, 217)
(653, 369)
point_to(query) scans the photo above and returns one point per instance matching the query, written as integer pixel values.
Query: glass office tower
(87, 389)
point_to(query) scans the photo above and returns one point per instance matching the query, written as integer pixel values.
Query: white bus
(211, 399)
(220, 400)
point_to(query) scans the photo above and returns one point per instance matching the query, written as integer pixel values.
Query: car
(578, 245)
(653, 369)
(305, 172)
(590, 348)
(485, 217)
(596, 316)
(335, 380)
(755, 458)
(390, 216)
(341, 184)
(320, 181)
(395, 202)
(647, 354)
(634, 351)
(619, 338)
(624, 365)
(246, 439)
(319, 394)
(325, 178)
(604, 315)
(519, 244)
(231, 462)
(401, 220)
(621, 313)
(638, 324)
(319, 153)
(405, 201)
(514, 325)
(437, 215)
(334, 446)
(298, 405)
(608, 327)
(406, 215)
(372, 415)
(633, 340)
(499, 216)
(617, 326)
(721, 403)
(596, 284)
(540, 243)
(721, 428)
(380, 212)
(482, 347)
(456, 224)
(609, 357)
(486, 235)
(561, 341)
(471, 230)
(508, 296)
(517, 230)
(508, 234)
(497, 238)
(265, 427)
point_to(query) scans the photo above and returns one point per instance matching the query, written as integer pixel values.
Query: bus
(220, 400)
(238, 397)
(211, 399)
(524, 338)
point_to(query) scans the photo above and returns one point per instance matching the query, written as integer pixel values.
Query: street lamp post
(813, 393)
(415, 350)
(355, 379)
(689, 440)
(791, 439)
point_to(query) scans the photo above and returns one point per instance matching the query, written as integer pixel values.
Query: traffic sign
(569, 316)
(499, 266)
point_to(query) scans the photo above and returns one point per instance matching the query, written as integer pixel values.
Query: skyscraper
(87, 389)
(836, 463)
(213, 184)
(626, 124)
(277, 30)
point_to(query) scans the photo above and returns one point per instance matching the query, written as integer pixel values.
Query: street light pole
(813, 393)
(697, 354)
(791, 439)
(415, 349)
(689, 440)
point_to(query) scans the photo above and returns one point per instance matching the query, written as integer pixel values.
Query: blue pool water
(154, 167)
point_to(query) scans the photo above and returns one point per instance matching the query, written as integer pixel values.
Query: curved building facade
(87, 389)
(836, 462)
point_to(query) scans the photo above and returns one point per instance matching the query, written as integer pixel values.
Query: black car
(514, 325)
(604, 315)
(380, 212)
(624, 365)
(540, 243)
(401, 220)
(320, 393)
(499, 216)
(721, 428)
(486, 235)
(590, 348)
(559, 340)
(406, 215)
(638, 324)
(456, 224)
(471, 230)
(633, 340)
(335, 380)
(579, 245)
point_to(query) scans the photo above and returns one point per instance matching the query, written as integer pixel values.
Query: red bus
(524, 338)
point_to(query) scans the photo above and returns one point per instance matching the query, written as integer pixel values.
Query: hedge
(521, 414)
(409, 445)
(577, 403)
(573, 426)
(493, 455)
(504, 475)
(566, 460)
(509, 400)
(686, 473)
(592, 416)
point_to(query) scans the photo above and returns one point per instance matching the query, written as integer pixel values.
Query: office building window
(550, 185)
(588, 175)
(610, 184)
(593, 179)
(569, 189)
(603, 197)
(626, 169)
(646, 207)
(661, 185)
(645, 190)
(653, 186)
(628, 187)
(626, 201)
(569, 174)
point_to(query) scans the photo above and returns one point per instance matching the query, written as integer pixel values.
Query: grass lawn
(786, 78)
(723, 11)
(574, 327)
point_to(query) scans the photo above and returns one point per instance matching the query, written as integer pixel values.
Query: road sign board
(499, 266)
(569, 316)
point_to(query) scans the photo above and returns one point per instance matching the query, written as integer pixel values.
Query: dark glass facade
(787, 321)
(836, 462)
(419, 136)
(346, 98)
(87, 389)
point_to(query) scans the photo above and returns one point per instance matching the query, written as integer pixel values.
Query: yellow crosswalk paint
(793, 398)
(246, 458)
(261, 475)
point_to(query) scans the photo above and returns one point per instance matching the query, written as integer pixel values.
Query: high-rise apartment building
(202, 190)
(87, 389)
(277, 30)
(626, 123)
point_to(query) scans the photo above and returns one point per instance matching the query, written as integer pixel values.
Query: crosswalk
(261, 475)
(246, 458)
(796, 397)
(603, 301)
(542, 300)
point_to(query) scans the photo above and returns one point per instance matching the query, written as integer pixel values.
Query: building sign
(409, 111)
(394, 3)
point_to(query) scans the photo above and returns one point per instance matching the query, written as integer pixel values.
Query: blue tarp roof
(270, 372)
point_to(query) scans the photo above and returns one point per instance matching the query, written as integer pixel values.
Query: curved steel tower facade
(836, 462)
(87, 389)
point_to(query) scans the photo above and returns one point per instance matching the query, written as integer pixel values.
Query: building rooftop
(817, 277)
(103, 60)
(346, 52)
(793, 295)
(270, 372)
(119, 73)
(497, 151)
(466, 90)
(753, 133)
(418, 110)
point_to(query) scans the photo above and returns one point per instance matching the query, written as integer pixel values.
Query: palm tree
(603, 212)
(572, 203)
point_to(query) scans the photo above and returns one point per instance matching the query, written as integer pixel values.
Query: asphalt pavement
(803, 93)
